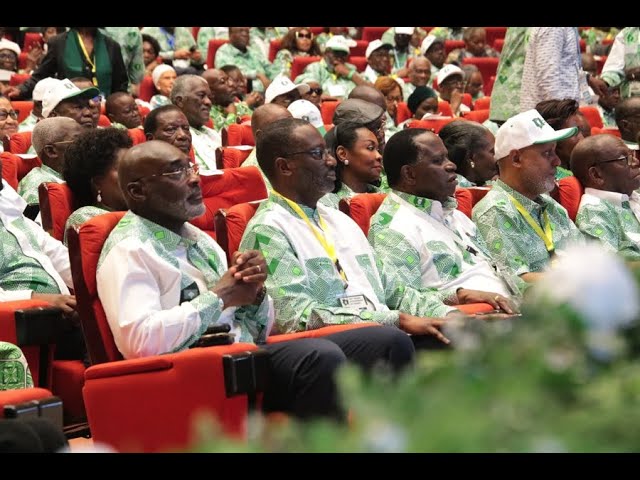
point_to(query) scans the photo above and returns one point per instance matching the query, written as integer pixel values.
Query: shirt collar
(431, 207)
(51, 171)
(171, 240)
(613, 197)
(527, 203)
(309, 212)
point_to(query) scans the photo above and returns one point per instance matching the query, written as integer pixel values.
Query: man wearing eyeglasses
(51, 138)
(322, 270)
(609, 209)
(522, 226)
(163, 282)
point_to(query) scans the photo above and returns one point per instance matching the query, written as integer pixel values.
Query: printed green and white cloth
(14, 371)
(30, 259)
(511, 241)
(156, 289)
(613, 219)
(428, 245)
(205, 141)
(80, 216)
(28, 186)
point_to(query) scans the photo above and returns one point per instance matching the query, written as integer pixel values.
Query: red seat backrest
(403, 113)
(274, 46)
(360, 62)
(104, 121)
(498, 43)
(488, 67)
(360, 49)
(214, 45)
(147, 88)
(362, 207)
(482, 103)
(592, 114)
(237, 134)
(477, 115)
(85, 246)
(611, 131)
(494, 33)
(435, 125)
(23, 107)
(233, 186)
(327, 109)
(444, 108)
(231, 224)
(452, 45)
(56, 204)
(570, 192)
(300, 63)
(373, 33)
(20, 142)
(465, 201)
(15, 168)
(137, 135)
(18, 79)
(229, 157)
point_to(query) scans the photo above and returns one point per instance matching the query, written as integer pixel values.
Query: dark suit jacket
(53, 66)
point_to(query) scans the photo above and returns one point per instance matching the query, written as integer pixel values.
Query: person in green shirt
(224, 111)
(523, 227)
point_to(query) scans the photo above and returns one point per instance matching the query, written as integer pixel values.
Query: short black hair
(401, 150)
(154, 43)
(111, 99)
(151, 120)
(275, 141)
(346, 136)
(92, 154)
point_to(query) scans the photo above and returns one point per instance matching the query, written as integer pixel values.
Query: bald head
(591, 151)
(369, 94)
(144, 159)
(267, 114)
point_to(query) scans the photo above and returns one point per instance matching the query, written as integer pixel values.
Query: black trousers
(302, 375)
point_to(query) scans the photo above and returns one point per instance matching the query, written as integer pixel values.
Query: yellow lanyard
(322, 238)
(547, 234)
(88, 59)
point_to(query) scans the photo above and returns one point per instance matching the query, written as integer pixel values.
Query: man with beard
(522, 226)
(224, 111)
(163, 282)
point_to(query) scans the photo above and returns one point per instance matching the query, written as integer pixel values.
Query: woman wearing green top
(298, 42)
(91, 172)
(359, 163)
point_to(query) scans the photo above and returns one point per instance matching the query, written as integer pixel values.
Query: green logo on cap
(539, 122)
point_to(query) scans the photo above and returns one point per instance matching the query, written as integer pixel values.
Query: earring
(99, 197)
(472, 164)
(346, 161)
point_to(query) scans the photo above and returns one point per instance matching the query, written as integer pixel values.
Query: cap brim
(303, 88)
(88, 93)
(558, 135)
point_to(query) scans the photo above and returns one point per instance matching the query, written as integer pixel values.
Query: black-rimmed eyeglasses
(4, 114)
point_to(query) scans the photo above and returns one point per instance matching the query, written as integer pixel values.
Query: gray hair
(182, 86)
(48, 131)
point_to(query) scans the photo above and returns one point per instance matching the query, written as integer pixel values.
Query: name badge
(356, 302)
(337, 91)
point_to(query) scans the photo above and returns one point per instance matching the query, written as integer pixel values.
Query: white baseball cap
(64, 90)
(446, 71)
(404, 30)
(340, 43)
(526, 129)
(42, 87)
(375, 45)
(427, 42)
(306, 110)
(281, 85)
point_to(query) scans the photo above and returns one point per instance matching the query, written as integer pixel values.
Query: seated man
(521, 225)
(50, 139)
(322, 270)
(169, 124)
(163, 282)
(627, 114)
(610, 208)
(420, 237)
(192, 95)
(122, 110)
(224, 109)
(35, 265)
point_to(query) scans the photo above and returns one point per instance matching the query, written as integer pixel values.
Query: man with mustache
(522, 226)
